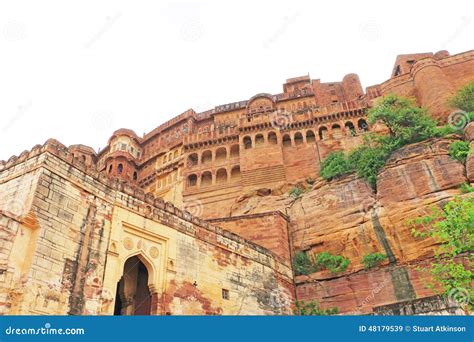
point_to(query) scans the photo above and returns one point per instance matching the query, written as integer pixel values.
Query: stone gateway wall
(65, 251)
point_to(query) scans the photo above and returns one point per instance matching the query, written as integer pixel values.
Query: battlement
(128, 195)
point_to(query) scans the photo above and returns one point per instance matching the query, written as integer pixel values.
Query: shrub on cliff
(335, 165)
(459, 150)
(453, 229)
(464, 98)
(296, 192)
(302, 264)
(312, 308)
(373, 260)
(466, 188)
(406, 122)
(333, 263)
(367, 161)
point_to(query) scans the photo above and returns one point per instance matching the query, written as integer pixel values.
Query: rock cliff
(346, 217)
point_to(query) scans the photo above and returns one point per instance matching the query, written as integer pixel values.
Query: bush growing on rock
(333, 263)
(466, 188)
(312, 308)
(406, 123)
(296, 192)
(464, 98)
(304, 264)
(453, 229)
(459, 150)
(335, 165)
(373, 260)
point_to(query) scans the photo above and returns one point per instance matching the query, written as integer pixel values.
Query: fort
(194, 217)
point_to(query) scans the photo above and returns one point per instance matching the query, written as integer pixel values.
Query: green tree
(406, 122)
(453, 229)
(464, 98)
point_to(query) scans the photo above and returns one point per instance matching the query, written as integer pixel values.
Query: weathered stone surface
(469, 132)
(69, 260)
(470, 166)
(346, 217)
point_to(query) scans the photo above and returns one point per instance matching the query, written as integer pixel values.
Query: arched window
(272, 138)
(206, 178)
(235, 173)
(323, 133)
(165, 159)
(192, 180)
(206, 157)
(298, 138)
(221, 176)
(286, 140)
(175, 155)
(336, 131)
(247, 142)
(350, 128)
(135, 175)
(362, 124)
(221, 154)
(83, 159)
(259, 139)
(120, 168)
(234, 151)
(193, 159)
(310, 137)
(110, 168)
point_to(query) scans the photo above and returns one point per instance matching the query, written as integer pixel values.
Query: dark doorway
(133, 296)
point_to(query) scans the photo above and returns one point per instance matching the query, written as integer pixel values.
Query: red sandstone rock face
(346, 217)
(469, 132)
(415, 179)
(470, 167)
(469, 136)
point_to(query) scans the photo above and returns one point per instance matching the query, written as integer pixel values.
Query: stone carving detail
(154, 252)
(128, 243)
(141, 244)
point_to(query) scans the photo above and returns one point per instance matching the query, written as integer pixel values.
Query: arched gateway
(133, 296)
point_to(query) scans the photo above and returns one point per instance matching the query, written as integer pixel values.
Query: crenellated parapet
(429, 78)
(141, 202)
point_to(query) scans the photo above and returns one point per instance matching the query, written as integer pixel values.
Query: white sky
(76, 71)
